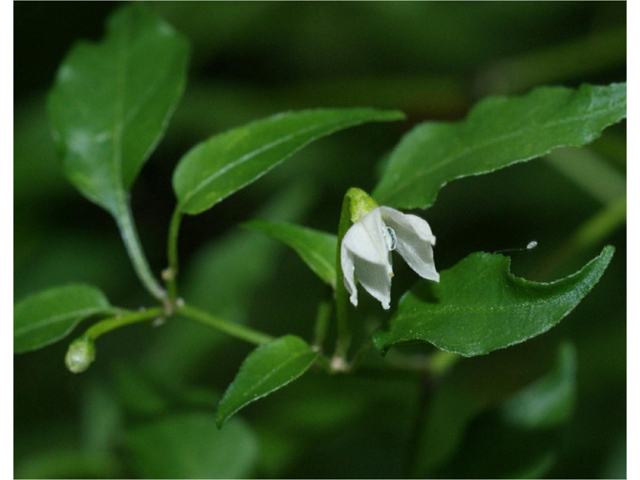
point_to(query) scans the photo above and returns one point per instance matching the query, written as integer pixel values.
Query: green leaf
(317, 249)
(479, 306)
(112, 100)
(549, 401)
(471, 388)
(498, 132)
(191, 446)
(225, 163)
(49, 316)
(522, 437)
(266, 369)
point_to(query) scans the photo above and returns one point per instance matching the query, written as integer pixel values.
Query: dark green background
(432, 60)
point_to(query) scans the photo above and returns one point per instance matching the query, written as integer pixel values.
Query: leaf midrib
(482, 145)
(248, 156)
(57, 319)
(249, 392)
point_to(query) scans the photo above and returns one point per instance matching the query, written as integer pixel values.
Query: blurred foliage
(429, 59)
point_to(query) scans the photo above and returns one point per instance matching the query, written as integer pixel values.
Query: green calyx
(360, 204)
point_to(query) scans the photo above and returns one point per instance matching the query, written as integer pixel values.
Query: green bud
(80, 355)
(360, 203)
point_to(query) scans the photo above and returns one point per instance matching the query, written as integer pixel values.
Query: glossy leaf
(266, 369)
(112, 100)
(498, 132)
(191, 446)
(317, 249)
(479, 306)
(225, 163)
(49, 316)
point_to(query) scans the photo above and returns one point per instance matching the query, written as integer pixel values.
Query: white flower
(367, 246)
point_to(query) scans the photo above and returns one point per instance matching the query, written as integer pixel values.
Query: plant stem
(591, 233)
(342, 296)
(558, 63)
(322, 322)
(590, 172)
(113, 323)
(172, 254)
(426, 387)
(239, 331)
(131, 241)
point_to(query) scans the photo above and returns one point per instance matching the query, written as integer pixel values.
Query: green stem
(590, 234)
(441, 362)
(172, 254)
(342, 296)
(322, 322)
(113, 323)
(590, 172)
(425, 391)
(134, 249)
(601, 225)
(573, 59)
(239, 331)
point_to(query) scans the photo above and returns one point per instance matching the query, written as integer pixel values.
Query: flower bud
(80, 355)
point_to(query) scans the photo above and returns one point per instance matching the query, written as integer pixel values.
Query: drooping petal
(375, 279)
(348, 270)
(415, 241)
(364, 250)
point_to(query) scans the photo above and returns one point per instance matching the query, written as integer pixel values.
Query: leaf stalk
(131, 241)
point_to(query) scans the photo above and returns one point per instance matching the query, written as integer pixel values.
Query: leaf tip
(379, 341)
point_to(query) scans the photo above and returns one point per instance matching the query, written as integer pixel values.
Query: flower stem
(322, 322)
(342, 296)
(238, 331)
(172, 254)
(131, 241)
(113, 323)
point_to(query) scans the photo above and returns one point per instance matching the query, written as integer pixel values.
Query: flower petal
(364, 250)
(415, 241)
(375, 279)
(348, 269)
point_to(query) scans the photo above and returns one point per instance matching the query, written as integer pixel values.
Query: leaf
(266, 369)
(112, 100)
(49, 316)
(317, 249)
(470, 390)
(498, 132)
(549, 401)
(191, 446)
(479, 306)
(225, 163)
(522, 437)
